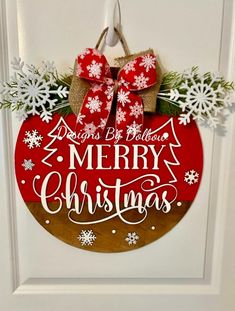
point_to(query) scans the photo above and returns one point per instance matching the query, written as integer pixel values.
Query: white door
(191, 267)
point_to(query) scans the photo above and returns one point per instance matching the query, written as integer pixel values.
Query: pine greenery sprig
(65, 111)
(170, 80)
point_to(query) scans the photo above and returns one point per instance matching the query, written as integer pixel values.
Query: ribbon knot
(137, 75)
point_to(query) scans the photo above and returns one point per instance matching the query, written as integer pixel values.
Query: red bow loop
(93, 66)
(139, 73)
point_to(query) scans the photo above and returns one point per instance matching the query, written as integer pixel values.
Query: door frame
(221, 198)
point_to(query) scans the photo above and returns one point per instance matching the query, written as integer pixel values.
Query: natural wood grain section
(61, 227)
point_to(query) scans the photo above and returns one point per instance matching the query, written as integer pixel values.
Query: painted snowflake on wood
(28, 165)
(87, 237)
(191, 177)
(132, 238)
(32, 139)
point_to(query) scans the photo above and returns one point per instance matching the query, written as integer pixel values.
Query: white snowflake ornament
(48, 67)
(33, 91)
(201, 100)
(17, 64)
(21, 115)
(201, 97)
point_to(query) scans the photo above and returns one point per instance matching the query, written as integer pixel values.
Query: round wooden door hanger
(108, 194)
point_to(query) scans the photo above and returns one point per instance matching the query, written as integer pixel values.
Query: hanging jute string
(120, 37)
(79, 87)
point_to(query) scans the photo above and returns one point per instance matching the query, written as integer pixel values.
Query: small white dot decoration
(60, 158)
(114, 231)
(47, 221)
(179, 203)
(23, 182)
(165, 135)
(153, 227)
(98, 188)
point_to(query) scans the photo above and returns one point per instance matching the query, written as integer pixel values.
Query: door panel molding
(210, 283)
(7, 171)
